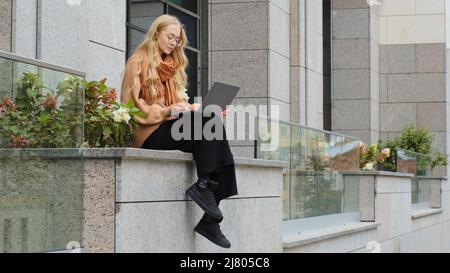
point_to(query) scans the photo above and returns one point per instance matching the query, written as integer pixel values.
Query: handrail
(310, 128)
(23, 59)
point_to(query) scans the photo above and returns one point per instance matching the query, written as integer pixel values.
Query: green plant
(107, 122)
(43, 118)
(413, 139)
(37, 118)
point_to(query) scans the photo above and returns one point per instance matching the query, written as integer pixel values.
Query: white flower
(121, 115)
(368, 167)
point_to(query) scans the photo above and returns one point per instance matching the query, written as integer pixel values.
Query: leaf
(106, 132)
(130, 103)
(44, 118)
(30, 93)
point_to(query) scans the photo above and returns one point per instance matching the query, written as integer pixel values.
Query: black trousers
(212, 157)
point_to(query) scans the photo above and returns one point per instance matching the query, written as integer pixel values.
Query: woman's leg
(213, 158)
(215, 170)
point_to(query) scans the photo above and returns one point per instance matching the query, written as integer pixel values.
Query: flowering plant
(44, 118)
(371, 156)
(39, 117)
(107, 122)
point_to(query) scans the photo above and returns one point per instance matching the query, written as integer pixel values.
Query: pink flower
(18, 141)
(50, 103)
(7, 103)
(386, 152)
(112, 93)
(108, 98)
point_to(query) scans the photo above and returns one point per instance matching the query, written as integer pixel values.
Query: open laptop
(221, 95)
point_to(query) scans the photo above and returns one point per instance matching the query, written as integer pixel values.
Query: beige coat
(156, 111)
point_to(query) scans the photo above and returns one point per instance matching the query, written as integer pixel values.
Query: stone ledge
(325, 234)
(129, 153)
(378, 173)
(425, 212)
(432, 177)
(171, 155)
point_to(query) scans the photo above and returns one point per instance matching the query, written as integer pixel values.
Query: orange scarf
(164, 83)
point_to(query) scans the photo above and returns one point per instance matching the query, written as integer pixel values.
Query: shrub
(42, 118)
(413, 139)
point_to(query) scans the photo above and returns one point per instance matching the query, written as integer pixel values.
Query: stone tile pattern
(378, 88)
(355, 70)
(412, 90)
(5, 25)
(154, 215)
(74, 36)
(412, 68)
(99, 205)
(412, 22)
(260, 57)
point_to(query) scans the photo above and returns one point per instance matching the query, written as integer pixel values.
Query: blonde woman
(155, 79)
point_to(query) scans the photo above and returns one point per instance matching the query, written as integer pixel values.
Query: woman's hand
(177, 108)
(195, 106)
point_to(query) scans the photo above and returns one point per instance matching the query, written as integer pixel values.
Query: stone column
(105, 57)
(355, 69)
(24, 28)
(84, 35)
(250, 48)
(5, 45)
(307, 63)
(5, 25)
(312, 55)
(63, 32)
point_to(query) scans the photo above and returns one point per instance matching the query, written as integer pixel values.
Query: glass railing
(313, 183)
(419, 165)
(41, 161)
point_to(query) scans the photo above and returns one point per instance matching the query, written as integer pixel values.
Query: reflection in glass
(313, 184)
(419, 165)
(190, 24)
(191, 5)
(41, 184)
(192, 74)
(134, 39)
(142, 14)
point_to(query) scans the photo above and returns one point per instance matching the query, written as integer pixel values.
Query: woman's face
(169, 38)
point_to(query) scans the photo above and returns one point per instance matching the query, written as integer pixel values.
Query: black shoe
(202, 194)
(210, 229)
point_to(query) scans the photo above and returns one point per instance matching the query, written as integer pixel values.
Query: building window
(141, 13)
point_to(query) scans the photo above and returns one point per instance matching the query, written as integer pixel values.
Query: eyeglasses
(172, 37)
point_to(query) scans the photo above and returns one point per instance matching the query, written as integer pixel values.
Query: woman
(155, 79)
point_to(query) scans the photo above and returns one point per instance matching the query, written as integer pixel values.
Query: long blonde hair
(149, 47)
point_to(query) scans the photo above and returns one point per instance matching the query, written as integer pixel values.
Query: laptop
(220, 95)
